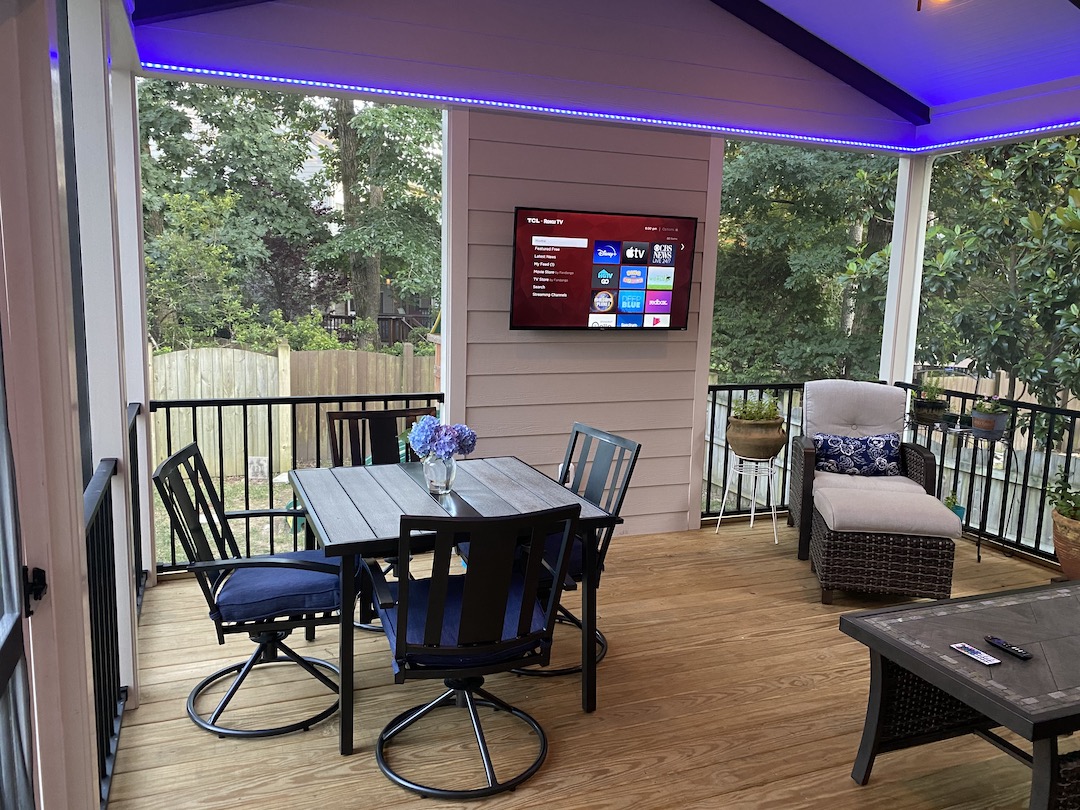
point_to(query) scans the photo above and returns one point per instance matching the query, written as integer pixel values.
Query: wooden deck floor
(728, 685)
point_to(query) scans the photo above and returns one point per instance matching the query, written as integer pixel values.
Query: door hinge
(34, 587)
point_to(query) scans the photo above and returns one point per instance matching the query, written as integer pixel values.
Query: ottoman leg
(826, 596)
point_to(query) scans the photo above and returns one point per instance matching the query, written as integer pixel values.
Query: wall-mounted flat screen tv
(581, 270)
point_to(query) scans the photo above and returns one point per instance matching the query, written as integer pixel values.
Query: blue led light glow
(719, 129)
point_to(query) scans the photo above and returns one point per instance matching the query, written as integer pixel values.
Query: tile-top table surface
(1034, 697)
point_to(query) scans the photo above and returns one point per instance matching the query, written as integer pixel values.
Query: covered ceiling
(907, 76)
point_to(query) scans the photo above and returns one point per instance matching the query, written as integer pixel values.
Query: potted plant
(755, 428)
(929, 405)
(954, 505)
(1065, 500)
(989, 416)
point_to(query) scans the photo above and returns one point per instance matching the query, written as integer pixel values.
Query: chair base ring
(235, 669)
(450, 699)
(554, 672)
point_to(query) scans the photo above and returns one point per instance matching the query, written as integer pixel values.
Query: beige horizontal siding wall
(524, 389)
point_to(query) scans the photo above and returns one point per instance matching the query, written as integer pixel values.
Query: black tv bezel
(556, 328)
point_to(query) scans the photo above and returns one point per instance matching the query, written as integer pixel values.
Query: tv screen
(580, 270)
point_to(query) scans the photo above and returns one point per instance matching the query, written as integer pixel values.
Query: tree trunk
(348, 147)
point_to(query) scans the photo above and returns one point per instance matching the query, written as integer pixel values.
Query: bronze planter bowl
(756, 438)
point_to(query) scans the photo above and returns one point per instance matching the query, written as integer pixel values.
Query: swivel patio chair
(855, 411)
(362, 438)
(459, 625)
(597, 466)
(265, 596)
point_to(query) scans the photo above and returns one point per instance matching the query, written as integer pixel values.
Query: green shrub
(753, 410)
(1063, 497)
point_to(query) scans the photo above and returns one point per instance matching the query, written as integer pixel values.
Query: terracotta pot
(761, 438)
(1067, 544)
(988, 425)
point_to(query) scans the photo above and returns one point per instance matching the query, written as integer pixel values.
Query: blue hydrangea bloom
(423, 434)
(428, 437)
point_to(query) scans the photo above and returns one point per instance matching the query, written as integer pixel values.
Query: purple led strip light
(603, 116)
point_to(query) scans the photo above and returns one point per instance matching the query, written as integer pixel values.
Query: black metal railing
(250, 445)
(138, 570)
(1002, 483)
(109, 696)
(718, 460)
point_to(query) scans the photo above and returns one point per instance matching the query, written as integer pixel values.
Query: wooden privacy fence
(253, 433)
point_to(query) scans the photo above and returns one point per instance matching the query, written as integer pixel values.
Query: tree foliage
(799, 279)
(389, 160)
(1002, 263)
(804, 255)
(242, 241)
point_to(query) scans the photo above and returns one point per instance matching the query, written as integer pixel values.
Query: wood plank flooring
(728, 685)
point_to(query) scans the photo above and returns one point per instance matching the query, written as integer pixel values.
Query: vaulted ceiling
(900, 75)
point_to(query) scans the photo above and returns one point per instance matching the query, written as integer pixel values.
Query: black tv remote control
(1001, 644)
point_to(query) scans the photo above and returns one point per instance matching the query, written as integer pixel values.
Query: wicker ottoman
(880, 542)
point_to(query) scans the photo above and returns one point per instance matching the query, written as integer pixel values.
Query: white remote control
(975, 653)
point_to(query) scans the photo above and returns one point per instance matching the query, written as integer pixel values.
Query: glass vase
(439, 474)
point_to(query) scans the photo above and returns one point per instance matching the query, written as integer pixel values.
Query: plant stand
(753, 469)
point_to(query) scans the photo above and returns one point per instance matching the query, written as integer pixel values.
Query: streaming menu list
(632, 284)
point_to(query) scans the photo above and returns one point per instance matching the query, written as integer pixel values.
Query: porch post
(99, 252)
(36, 318)
(455, 271)
(905, 269)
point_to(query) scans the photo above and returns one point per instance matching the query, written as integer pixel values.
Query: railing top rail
(1012, 404)
(312, 399)
(754, 387)
(98, 486)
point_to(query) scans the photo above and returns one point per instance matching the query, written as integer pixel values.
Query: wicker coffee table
(922, 691)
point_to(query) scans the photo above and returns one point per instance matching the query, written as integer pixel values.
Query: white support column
(36, 317)
(455, 271)
(905, 270)
(133, 290)
(91, 110)
(705, 323)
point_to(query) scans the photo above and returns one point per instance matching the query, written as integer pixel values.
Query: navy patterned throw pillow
(858, 455)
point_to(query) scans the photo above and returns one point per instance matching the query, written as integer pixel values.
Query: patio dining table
(355, 512)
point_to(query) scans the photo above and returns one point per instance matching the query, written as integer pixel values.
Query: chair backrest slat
(196, 512)
(358, 438)
(598, 466)
(495, 597)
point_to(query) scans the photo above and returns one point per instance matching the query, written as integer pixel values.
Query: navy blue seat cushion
(858, 455)
(419, 593)
(551, 556)
(265, 593)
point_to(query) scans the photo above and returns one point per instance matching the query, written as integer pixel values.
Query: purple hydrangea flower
(466, 439)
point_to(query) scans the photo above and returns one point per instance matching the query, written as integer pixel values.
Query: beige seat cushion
(880, 512)
(865, 483)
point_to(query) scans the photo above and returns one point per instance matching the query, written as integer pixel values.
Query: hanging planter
(989, 419)
(929, 411)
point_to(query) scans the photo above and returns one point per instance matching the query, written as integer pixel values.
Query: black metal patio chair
(459, 625)
(264, 596)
